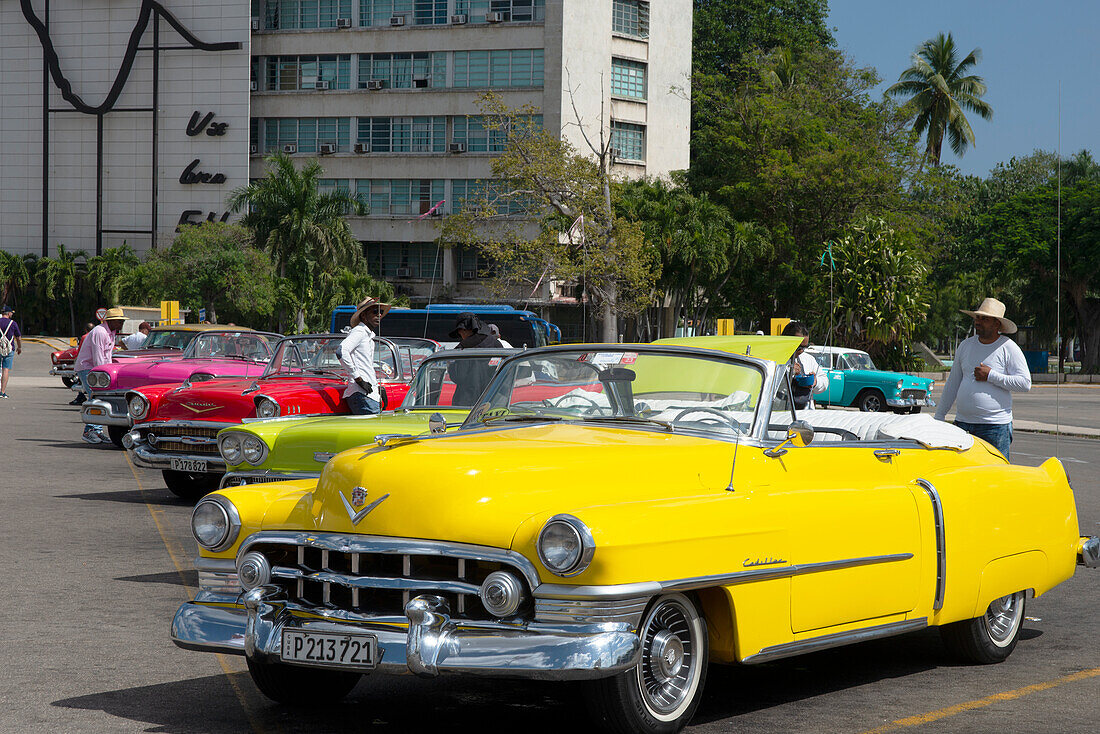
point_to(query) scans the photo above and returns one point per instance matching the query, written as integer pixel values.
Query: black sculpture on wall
(150, 10)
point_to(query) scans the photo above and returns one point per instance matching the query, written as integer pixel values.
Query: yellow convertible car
(624, 515)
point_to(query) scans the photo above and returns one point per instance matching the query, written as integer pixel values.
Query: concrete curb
(1060, 430)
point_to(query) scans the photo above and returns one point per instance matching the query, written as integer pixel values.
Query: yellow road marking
(223, 660)
(944, 713)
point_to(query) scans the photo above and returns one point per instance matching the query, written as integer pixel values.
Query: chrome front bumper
(426, 641)
(1088, 552)
(910, 402)
(105, 412)
(147, 457)
(62, 371)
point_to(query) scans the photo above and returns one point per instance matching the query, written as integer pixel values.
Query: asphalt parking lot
(99, 556)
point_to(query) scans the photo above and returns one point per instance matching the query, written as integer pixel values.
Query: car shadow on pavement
(154, 496)
(380, 704)
(176, 578)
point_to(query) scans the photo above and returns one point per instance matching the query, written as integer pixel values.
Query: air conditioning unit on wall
(320, 84)
(458, 147)
(469, 275)
(326, 148)
(374, 84)
(494, 17)
(397, 20)
(254, 86)
(362, 148)
(253, 149)
(404, 272)
(343, 22)
(459, 19)
(255, 24)
(290, 148)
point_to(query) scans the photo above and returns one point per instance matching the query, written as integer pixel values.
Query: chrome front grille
(915, 394)
(184, 439)
(378, 582)
(591, 611)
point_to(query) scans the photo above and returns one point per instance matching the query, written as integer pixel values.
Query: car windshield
(248, 345)
(413, 351)
(675, 391)
(169, 339)
(307, 355)
(453, 382)
(857, 361)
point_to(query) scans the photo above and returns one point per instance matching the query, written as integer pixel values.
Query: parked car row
(621, 515)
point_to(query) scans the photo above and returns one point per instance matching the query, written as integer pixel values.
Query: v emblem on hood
(356, 517)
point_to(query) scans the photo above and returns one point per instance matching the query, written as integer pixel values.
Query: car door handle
(886, 454)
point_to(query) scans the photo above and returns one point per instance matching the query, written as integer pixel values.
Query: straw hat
(355, 317)
(996, 309)
(115, 314)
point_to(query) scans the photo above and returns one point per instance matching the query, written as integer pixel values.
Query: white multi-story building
(383, 92)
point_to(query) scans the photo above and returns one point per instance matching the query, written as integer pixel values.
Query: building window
(289, 73)
(403, 71)
(404, 259)
(474, 264)
(296, 14)
(630, 17)
(307, 133)
(471, 193)
(399, 196)
(333, 185)
(628, 78)
(403, 134)
(253, 135)
(475, 132)
(510, 10)
(503, 68)
(628, 141)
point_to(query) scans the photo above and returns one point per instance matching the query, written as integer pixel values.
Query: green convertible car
(446, 386)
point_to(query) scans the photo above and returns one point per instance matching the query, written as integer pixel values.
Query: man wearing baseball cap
(97, 348)
(13, 345)
(988, 368)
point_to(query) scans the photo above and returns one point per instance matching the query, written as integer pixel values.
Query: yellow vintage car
(624, 515)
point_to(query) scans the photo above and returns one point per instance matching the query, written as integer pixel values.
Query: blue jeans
(361, 404)
(998, 434)
(82, 378)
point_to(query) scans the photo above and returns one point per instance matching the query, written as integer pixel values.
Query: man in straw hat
(988, 368)
(97, 348)
(363, 393)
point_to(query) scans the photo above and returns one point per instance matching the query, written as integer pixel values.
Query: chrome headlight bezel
(224, 514)
(99, 380)
(266, 407)
(577, 559)
(901, 383)
(253, 449)
(142, 406)
(229, 446)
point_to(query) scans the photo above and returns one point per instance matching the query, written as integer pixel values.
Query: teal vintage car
(445, 387)
(855, 382)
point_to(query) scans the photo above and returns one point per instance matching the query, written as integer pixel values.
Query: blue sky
(1028, 46)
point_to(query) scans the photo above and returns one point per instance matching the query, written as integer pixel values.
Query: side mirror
(799, 434)
(437, 424)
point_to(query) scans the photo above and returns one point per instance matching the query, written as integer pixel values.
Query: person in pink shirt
(97, 348)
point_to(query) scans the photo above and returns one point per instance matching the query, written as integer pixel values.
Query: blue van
(518, 328)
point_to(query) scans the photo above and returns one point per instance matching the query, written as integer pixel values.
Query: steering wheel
(733, 422)
(583, 398)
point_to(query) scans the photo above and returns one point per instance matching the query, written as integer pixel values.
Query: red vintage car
(176, 426)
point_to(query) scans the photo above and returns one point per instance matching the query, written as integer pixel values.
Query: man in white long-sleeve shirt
(363, 393)
(988, 368)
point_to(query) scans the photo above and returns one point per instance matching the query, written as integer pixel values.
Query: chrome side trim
(802, 647)
(348, 543)
(624, 591)
(941, 542)
(591, 611)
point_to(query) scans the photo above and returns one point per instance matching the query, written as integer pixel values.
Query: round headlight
(139, 407)
(99, 379)
(230, 447)
(253, 449)
(253, 569)
(900, 383)
(267, 408)
(501, 593)
(215, 523)
(565, 545)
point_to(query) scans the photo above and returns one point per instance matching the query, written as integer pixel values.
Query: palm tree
(13, 275)
(303, 229)
(58, 277)
(939, 88)
(108, 270)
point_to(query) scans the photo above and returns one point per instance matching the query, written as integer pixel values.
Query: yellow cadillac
(624, 515)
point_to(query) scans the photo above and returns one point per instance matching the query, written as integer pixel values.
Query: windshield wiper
(522, 417)
(631, 419)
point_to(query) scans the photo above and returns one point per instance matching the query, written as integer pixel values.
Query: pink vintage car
(212, 353)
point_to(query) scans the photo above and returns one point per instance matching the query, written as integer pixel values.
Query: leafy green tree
(881, 294)
(725, 30)
(541, 175)
(107, 271)
(14, 275)
(305, 231)
(349, 287)
(59, 276)
(213, 265)
(939, 89)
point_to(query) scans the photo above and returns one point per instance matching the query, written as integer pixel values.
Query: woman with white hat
(363, 393)
(988, 368)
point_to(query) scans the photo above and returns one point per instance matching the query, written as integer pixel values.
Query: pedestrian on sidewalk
(11, 344)
(97, 349)
(988, 368)
(363, 393)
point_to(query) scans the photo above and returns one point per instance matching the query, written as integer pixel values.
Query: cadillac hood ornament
(358, 497)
